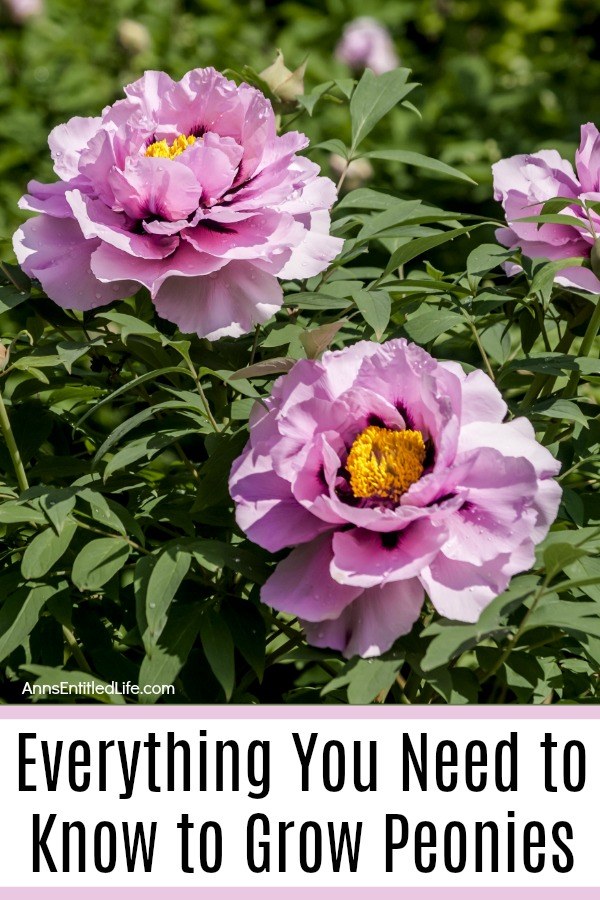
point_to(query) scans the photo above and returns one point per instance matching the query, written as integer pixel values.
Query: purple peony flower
(187, 189)
(390, 474)
(366, 43)
(524, 183)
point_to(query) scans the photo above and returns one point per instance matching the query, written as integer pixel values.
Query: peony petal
(265, 508)
(366, 559)
(55, 252)
(301, 584)
(371, 623)
(226, 303)
(587, 158)
(67, 141)
(152, 186)
(110, 264)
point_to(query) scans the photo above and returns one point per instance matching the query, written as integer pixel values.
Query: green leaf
(145, 448)
(20, 613)
(45, 550)
(133, 384)
(247, 558)
(375, 307)
(165, 659)
(560, 409)
(558, 556)
(248, 631)
(428, 325)
(168, 572)
(70, 351)
(451, 639)
(486, 257)
(389, 218)
(555, 219)
(410, 158)
(14, 513)
(421, 245)
(373, 97)
(217, 644)
(98, 562)
(57, 505)
(365, 678)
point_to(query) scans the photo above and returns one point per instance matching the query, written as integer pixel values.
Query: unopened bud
(285, 84)
(134, 36)
(4, 354)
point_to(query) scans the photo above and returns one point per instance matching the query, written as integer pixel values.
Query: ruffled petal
(371, 623)
(301, 584)
(229, 302)
(366, 559)
(55, 252)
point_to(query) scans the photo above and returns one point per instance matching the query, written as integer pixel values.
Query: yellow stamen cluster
(170, 151)
(384, 464)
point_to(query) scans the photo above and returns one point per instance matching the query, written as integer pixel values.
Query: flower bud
(283, 83)
(134, 36)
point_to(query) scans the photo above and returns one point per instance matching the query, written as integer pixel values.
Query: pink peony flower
(390, 474)
(366, 43)
(184, 188)
(524, 183)
(21, 10)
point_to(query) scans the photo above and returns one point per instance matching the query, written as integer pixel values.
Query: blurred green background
(497, 77)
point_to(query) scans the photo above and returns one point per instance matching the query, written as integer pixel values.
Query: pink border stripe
(319, 893)
(100, 711)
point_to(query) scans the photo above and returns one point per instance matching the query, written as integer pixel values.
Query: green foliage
(120, 556)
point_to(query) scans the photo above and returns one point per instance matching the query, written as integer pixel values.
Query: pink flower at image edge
(524, 183)
(390, 475)
(184, 188)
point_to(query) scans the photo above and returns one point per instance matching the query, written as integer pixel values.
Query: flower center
(170, 151)
(384, 463)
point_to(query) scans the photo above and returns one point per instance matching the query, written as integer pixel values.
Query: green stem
(76, 650)
(544, 383)
(12, 447)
